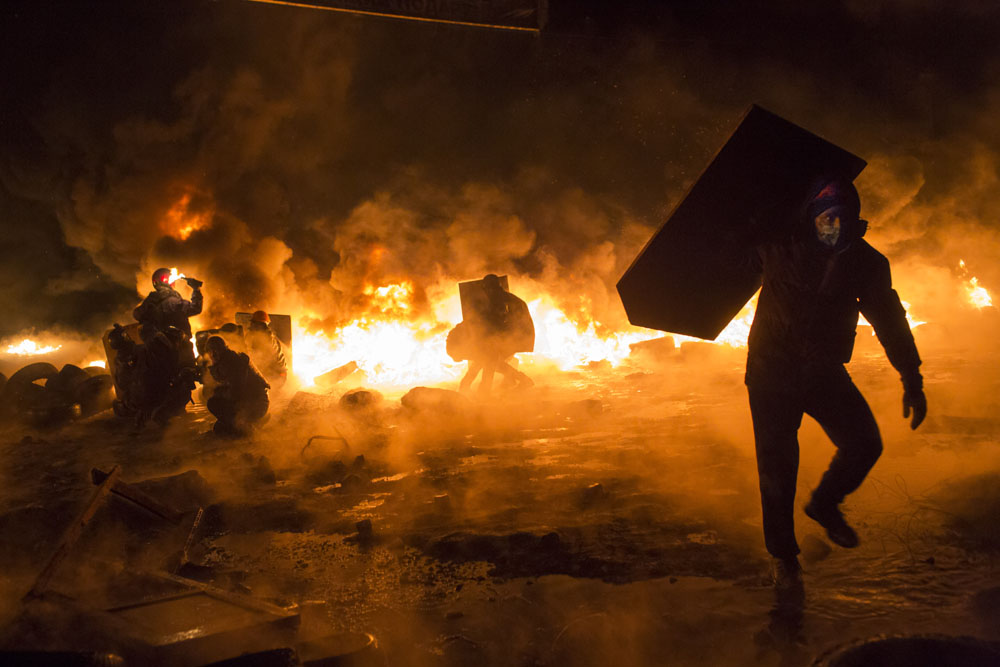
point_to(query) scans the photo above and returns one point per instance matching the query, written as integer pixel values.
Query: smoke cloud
(292, 158)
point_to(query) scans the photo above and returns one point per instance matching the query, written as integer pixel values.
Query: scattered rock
(325, 471)
(352, 483)
(593, 495)
(359, 399)
(365, 531)
(437, 401)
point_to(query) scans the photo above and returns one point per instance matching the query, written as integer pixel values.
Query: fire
(559, 340)
(394, 350)
(391, 299)
(180, 222)
(29, 348)
(98, 363)
(912, 321)
(174, 275)
(977, 295)
(391, 353)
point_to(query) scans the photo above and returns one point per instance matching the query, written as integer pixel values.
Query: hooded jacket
(807, 313)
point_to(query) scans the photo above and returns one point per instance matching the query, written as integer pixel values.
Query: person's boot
(829, 516)
(786, 573)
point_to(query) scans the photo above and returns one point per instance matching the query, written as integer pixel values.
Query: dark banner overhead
(691, 278)
(504, 14)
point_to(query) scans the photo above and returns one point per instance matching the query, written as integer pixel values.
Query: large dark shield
(689, 279)
(472, 293)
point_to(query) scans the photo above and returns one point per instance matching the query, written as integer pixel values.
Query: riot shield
(472, 293)
(692, 277)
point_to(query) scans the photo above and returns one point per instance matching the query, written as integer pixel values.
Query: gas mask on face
(828, 227)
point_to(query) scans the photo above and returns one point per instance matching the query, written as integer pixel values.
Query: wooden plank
(72, 534)
(137, 496)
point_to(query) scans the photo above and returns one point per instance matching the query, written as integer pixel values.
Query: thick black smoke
(323, 152)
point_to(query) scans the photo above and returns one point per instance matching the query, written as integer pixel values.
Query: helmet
(260, 316)
(161, 277)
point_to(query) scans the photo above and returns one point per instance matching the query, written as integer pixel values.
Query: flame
(180, 222)
(977, 295)
(29, 348)
(174, 275)
(98, 363)
(391, 299)
(912, 321)
(391, 353)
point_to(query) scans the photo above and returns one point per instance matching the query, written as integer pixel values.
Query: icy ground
(606, 516)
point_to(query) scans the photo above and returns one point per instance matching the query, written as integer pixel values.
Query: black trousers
(777, 402)
(237, 415)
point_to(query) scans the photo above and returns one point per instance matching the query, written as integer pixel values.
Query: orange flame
(977, 295)
(180, 222)
(29, 348)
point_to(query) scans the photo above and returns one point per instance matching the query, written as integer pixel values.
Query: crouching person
(240, 400)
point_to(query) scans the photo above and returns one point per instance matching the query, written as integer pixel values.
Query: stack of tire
(40, 394)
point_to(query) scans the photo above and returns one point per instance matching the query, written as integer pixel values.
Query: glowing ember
(180, 222)
(29, 348)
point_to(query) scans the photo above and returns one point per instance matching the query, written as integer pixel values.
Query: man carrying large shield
(777, 206)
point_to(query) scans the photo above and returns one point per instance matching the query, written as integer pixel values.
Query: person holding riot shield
(818, 274)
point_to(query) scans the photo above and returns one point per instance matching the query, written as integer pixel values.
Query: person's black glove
(914, 399)
(193, 283)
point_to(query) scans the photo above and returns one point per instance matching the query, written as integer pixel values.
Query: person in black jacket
(501, 327)
(241, 398)
(815, 282)
(164, 307)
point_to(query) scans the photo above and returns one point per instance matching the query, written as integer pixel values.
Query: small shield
(689, 279)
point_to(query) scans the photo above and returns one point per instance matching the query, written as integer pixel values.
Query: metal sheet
(689, 278)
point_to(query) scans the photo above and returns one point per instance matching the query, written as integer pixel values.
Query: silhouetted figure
(241, 398)
(155, 385)
(816, 279)
(265, 349)
(501, 328)
(165, 307)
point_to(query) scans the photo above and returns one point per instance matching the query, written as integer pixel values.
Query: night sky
(311, 139)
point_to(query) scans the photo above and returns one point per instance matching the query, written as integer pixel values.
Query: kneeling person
(241, 399)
